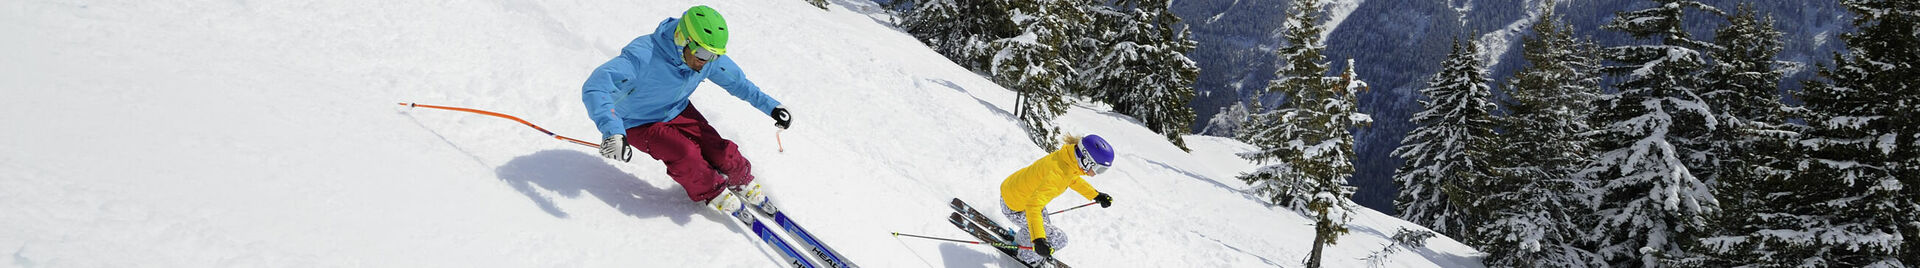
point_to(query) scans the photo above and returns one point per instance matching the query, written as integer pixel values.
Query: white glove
(615, 147)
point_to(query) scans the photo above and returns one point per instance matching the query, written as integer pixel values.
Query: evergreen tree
(1033, 65)
(1128, 54)
(1532, 205)
(1856, 205)
(1282, 134)
(1305, 144)
(1145, 72)
(1227, 122)
(962, 29)
(1743, 90)
(1446, 156)
(1752, 146)
(1650, 138)
(899, 8)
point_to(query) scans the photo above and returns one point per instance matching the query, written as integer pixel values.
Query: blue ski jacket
(649, 82)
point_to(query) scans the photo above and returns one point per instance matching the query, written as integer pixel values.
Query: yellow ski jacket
(1029, 189)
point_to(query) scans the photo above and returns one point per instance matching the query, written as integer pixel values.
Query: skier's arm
(1080, 186)
(598, 95)
(1064, 156)
(730, 77)
(1037, 222)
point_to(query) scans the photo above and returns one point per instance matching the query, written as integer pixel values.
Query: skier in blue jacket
(640, 98)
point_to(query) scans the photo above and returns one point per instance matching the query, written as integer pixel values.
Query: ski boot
(1042, 263)
(728, 203)
(755, 195)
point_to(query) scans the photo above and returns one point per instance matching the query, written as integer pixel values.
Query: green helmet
(703, 26)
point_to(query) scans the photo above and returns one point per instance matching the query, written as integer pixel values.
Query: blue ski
(794, 259)
(819, 249)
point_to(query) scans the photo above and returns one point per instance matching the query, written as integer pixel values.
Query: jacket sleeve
(1036, 215)
(1036, 211)
(1036, 224)
(1079, 183)
(598, 95)
(730, 77)
(1080, 186)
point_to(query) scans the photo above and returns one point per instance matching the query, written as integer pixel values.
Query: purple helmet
(1094, 154)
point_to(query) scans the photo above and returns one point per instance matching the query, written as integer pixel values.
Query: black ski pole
(1071, 208)
(994, 244)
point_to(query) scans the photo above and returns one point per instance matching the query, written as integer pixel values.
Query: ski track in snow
(264, 134)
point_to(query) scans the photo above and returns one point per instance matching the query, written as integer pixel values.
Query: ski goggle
(1090, 166)
(701, 52)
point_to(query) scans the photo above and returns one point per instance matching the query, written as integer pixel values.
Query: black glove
(615, 147)
(1104, 199)
(1040, 246)
(781, 118)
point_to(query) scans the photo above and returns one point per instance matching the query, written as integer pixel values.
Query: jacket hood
(659, 45)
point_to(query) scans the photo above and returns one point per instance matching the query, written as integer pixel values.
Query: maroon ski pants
(695, 154)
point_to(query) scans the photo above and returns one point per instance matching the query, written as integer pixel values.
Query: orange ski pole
(500, 115)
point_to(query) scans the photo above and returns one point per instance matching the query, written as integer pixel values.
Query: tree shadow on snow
(956, 255)
(1236, 249)
(571, 173)
(1447, 259)
(872, 10)
(1369, 230)
(1115, 115)
(1189, 174)
(963, 90)
(1439, 258)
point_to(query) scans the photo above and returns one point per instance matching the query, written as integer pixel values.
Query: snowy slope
(1495, 44)
(264, 134)
(1337, 11)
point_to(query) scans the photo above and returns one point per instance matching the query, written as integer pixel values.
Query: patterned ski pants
(1055, 238)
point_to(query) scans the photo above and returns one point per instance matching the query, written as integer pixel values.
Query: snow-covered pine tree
(1228, 121)
(1091, 29)
(1144, 71)
(1753, 146)
(1532, 206)
(899, 8)
(961, 29)
(1283, 134)
(1031, 63)
(1650, 138)
(1856, 205)
(1306, 145)
(1744, 92)
(1446, 155)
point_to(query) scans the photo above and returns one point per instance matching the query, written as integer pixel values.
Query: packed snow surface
(265, 134)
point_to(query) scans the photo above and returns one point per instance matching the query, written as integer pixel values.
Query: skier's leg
(1019, 220)
(719, 152)
(1055, 237)
(681, 156)
(723, 155)
(1020, 234)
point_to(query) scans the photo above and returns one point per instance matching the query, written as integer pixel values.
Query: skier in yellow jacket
(1024, 195)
